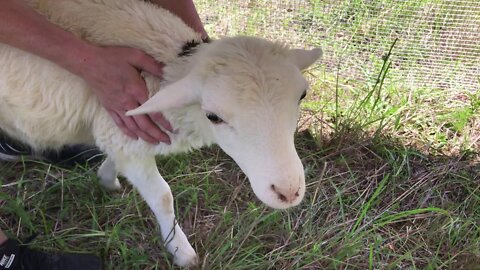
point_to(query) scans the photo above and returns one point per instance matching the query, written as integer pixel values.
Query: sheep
(242, 93)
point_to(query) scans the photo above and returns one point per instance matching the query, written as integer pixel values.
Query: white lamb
(241, 93)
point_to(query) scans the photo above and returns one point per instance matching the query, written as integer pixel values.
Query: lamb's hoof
(185, 257)
(111, 185)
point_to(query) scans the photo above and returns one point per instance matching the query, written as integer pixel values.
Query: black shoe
(15, 256)
(68, 156)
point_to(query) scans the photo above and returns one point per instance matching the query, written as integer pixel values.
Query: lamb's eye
(214, 118)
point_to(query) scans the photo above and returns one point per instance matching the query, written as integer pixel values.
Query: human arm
(185, 9)
(115, 78)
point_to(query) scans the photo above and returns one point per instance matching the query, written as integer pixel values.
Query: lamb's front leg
(142, 172)
(108, 175)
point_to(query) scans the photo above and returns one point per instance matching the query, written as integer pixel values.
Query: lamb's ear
(181, 93)
(304, 58)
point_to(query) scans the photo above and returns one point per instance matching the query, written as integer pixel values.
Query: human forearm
(185, 9)
(112, 72)
(24, 28)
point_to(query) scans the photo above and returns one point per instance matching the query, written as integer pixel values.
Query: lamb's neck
(185, 61)
(193, 128)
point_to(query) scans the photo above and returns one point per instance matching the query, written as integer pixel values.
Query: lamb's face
(253, 119)
(250, 90)
(251, 94)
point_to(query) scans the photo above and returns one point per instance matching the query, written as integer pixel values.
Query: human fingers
(119, 122)
(137, 94)
(132, 125)
(161, 120)
(140, 93)
(142, 130)
(147, 63)
(148, 126)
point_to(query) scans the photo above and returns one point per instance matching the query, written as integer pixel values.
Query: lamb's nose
(286, 196)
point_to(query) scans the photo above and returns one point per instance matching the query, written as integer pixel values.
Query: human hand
(114, 74)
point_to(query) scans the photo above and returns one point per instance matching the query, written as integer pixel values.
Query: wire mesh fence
(438, 41)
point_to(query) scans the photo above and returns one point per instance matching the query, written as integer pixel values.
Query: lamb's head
(249, 90)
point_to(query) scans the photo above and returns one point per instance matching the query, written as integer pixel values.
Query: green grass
(438, 40)
(393, 182)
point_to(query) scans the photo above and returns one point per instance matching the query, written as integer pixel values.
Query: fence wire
(438, 40)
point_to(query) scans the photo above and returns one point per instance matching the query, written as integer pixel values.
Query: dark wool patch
(190, 47)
